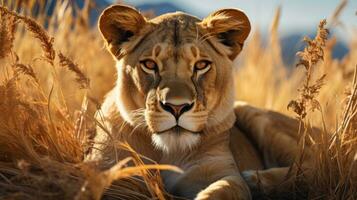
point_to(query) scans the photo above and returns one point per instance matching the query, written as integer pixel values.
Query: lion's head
(175, 69)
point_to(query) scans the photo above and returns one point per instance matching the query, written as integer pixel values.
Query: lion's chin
(173, 140)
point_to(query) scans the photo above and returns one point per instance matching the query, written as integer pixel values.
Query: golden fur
(212, 139)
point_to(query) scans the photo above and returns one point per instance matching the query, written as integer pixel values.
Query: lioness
(174, 104)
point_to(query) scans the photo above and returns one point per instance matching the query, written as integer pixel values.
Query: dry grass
(47, 104)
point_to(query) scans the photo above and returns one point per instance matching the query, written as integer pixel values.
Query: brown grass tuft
(7, 33)
(20, 68)
(310, 56)
(42, 143)
(38, 32)
(82, 79)
(334, 172)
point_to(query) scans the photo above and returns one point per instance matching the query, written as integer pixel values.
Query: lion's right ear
(230, 26)
(118, 23)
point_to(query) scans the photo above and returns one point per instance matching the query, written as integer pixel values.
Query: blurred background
(267, 61)
(298, 18)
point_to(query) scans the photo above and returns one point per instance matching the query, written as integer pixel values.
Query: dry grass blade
(334, 20)
(276, 20)
(38, 32)
(82, 79)
(25, 69)
(95, 186)
(152, 179)
(310, 56)
(349, 115)
(7, 33)
(314, 51)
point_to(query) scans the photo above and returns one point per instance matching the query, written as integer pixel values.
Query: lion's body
(214, 158)
(174, 104)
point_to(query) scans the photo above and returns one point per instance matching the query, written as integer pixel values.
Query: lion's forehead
(176, 21)
(176, 28)
(164, 51)
(175, 36)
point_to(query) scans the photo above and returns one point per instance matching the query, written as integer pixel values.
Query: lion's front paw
(258, 184)
(207, 196)
(251, 178)
(213, 194)
(223, 190)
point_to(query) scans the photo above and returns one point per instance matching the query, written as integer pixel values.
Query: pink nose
(176, 110)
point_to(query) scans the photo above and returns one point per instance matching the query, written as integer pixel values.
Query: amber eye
(149, 64)
(202, 64)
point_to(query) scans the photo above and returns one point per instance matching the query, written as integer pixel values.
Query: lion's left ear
(118, 24)
(230, 26)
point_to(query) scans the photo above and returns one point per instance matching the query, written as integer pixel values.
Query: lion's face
(175, 71)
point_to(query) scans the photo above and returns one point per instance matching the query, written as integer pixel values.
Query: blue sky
(297, 15)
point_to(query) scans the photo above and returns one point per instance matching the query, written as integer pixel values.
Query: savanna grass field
(55, 72)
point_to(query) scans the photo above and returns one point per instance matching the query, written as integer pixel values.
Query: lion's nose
(176, 110)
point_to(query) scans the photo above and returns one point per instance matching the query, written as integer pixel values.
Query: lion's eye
(149, 64)
(202, 65)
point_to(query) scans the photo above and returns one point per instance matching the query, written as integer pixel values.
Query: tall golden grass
(53, 80)
(45, 129)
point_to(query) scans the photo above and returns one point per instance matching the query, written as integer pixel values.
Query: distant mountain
(160, 8)
(293, 43)
(100, 5)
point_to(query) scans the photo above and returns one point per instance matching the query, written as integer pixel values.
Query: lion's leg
(191, 186)
(269, 181)
(276, 137)
(214, 177)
